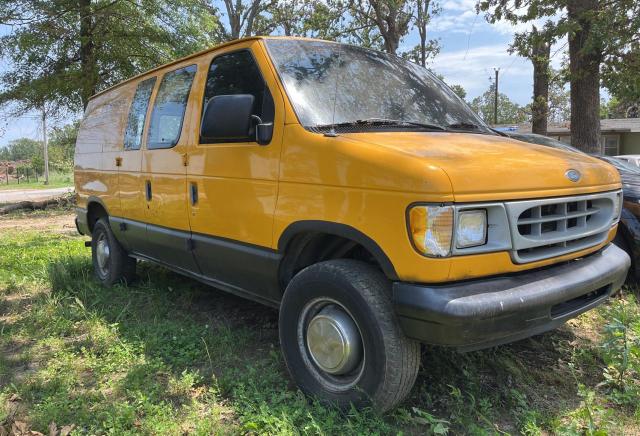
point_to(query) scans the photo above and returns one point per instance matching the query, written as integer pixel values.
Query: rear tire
(340, 337)
(111, 264)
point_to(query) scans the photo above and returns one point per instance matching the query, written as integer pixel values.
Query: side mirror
(227, 118)
(264, 131)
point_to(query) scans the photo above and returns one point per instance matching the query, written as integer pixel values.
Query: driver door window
(237, 73)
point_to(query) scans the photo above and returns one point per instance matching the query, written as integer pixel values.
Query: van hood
(487, 167)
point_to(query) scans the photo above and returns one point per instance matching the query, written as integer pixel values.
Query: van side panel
(164, 186)
(369, 189)
(99, 143)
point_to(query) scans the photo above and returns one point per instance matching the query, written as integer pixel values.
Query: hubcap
(103, 253)
(333, 341)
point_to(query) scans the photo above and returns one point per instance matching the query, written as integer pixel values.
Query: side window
(238, 73)
(169, 107)
(138, 114)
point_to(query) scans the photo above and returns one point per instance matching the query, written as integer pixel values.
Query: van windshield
(347, 88)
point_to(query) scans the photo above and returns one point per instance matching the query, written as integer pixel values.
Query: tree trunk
(387, 16)
(391, 37)
(584, 66)
(88, 63)
(31, 205)
(541, 51)
(233, 15)
(421, 24)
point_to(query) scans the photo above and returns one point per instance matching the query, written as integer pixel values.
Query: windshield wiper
(464, 126)
(381, 122)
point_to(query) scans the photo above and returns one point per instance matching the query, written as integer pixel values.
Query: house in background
(619, 135)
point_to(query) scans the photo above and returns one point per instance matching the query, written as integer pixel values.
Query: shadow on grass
(168, 354)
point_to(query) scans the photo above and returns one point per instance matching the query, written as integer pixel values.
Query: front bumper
(82, 223)
(483, 313)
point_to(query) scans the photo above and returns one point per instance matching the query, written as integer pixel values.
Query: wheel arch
(306, 242)
(96, 209)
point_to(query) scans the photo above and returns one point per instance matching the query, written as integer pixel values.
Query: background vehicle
(344, 186)
(628, 236)
(632, 159)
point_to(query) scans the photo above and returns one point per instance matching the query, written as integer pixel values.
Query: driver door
(233, 184)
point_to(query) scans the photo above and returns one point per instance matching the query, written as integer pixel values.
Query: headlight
(431, 229)
(471, 229)
(617, 208)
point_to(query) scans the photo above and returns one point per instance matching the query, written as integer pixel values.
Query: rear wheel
(111, 263)
(340, 337)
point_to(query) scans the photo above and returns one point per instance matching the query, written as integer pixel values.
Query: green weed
(170, 356)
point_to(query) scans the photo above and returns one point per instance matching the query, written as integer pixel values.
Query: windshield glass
(331, 84)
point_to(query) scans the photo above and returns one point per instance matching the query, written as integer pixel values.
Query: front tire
(111, 264)
(340, 338)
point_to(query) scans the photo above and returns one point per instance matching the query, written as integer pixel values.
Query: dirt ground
(56, 221)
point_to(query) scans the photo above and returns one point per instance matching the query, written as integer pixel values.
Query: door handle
(194, 193)
(148, 189)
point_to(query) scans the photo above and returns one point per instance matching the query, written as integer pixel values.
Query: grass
(56, 180)
(170, 356)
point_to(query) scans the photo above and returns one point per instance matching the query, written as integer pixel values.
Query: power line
(515, 58)
(473, 25)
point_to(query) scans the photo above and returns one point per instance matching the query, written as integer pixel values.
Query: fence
(19, 175)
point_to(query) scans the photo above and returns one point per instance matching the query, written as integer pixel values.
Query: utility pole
(46, 146)
(495, 98)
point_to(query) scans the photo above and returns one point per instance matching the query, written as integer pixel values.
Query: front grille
(552, 227)
(557, 217)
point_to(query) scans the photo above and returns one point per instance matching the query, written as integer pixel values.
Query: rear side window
(169, 107)
(238, 73)
(138, 114)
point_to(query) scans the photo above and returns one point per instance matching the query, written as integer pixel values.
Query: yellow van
(352, 190)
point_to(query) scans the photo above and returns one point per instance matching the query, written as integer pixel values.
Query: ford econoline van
(355, 192)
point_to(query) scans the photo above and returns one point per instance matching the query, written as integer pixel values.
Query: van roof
(196, 54)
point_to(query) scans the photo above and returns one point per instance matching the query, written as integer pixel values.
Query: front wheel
(111, 263)
(340, 337)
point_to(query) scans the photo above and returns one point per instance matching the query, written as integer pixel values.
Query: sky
(470, 50)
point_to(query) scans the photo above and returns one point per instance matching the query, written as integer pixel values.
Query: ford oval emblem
(573, 175)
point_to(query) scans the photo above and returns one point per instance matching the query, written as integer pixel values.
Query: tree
(559, 99)
(420, 55)
(459, 90)
(425, 10)
(536, 46)
(21, 149)
(61, 52)
(585, 54)
(62, 144)
(291, 15)
(245, 18)
(390, 17)
(620, 76)
(324, 19)
(598, 31)
(508, 111)
(613, 108)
